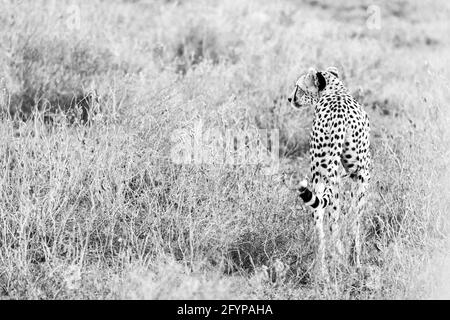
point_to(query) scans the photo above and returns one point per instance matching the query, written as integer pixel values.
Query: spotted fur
(340, 135)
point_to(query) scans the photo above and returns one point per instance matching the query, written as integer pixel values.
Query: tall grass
(102, 211)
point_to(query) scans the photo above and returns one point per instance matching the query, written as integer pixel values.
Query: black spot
(316, 203)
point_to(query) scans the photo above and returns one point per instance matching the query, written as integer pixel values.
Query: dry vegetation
(99, 210)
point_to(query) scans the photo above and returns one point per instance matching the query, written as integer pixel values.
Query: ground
(106, 210)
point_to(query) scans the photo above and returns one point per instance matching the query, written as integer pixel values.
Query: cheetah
(340, 134)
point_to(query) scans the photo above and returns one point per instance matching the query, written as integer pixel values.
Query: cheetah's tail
(311, 199)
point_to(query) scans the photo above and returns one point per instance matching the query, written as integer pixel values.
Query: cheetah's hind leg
(357, 208)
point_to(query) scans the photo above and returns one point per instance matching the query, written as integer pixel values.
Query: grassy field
(102, 210)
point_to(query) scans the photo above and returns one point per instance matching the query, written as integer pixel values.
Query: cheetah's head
(310, 85)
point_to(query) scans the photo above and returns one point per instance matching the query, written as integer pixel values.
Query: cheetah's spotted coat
(340, 134)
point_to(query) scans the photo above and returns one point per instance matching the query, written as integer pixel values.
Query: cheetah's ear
(316, 79)
(334, 71)
(320, 81)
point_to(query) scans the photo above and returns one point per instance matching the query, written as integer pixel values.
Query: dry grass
(101, 211)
